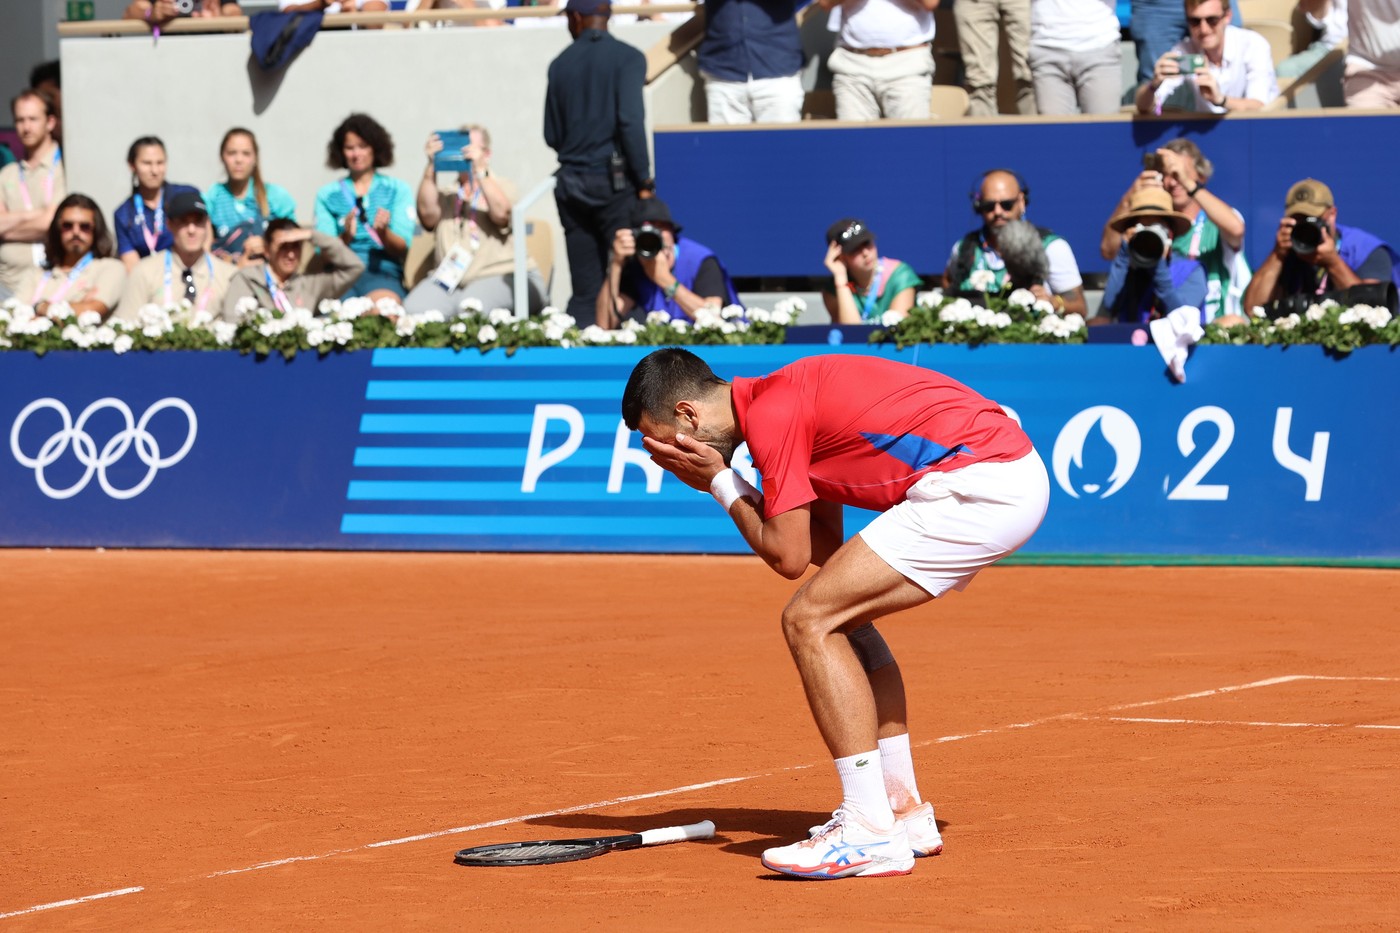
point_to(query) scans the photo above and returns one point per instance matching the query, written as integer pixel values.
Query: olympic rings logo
(133, 435)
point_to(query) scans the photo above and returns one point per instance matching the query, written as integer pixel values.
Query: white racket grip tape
(655, 837)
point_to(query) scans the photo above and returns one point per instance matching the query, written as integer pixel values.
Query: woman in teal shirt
(240, 207)
(367, 210)
(864, 285)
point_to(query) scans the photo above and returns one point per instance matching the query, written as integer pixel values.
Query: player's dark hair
(367, 128)
(662, 379)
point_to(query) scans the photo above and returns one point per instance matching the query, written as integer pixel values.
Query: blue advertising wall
(1264, 453)
(764, 199)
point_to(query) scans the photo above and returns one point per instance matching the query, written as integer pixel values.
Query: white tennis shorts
(951, 525)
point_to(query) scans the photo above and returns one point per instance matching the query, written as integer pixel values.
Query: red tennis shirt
(860, 430)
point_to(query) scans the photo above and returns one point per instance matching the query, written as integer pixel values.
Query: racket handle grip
(655, 837)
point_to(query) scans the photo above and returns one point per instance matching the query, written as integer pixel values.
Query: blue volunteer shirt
(130, 226)
(751, 39)
(236, 219)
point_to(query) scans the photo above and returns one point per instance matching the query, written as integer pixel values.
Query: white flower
(680, 325)
(342, 332)
(500, 316)
(595, 334)
(554, 330)
(316, 336)
(788, 310)
(355, 307)
(760, 316)
(406, 325)
(104, 335)
(548, 310)
(1316, 312)
(1042, 306)
(389, 307)
(731, 312)
(634, 326)
(330, 307)
(891, 318)
(1258, 311)
(487, 334)
(658, 317)
(245, 305)
(431, 317)
(708, 318)
(89, 319)
(1075, 322)
(559, 317)
(1050, 324)
(61, 311)
(201, 319)
(122, 344)
(34, 326)
(929, 299)
(980, 280)
(1287, 323)
(1022, 298)
(224, 331)
(625, 336)
(1365, 314)
(457, 327)
(727, 327)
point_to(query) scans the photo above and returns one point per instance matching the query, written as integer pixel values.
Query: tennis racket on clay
(549, 851)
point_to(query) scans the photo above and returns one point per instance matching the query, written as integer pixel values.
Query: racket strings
(540, 850)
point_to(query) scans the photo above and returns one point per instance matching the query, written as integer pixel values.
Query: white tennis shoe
(919, 824)
(845, 847)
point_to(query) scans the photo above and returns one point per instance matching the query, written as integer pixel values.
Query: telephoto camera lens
(1147, 246)
(649, 242)
(184, 7)
(1307, 235)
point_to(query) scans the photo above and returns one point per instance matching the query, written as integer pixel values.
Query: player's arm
(783, 541)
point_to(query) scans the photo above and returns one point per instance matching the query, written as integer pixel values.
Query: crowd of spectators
(1170, 239)
(1065, 55)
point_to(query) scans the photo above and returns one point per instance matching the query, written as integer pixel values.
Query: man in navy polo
(750, 59)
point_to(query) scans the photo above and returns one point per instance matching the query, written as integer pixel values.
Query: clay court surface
(255, 740)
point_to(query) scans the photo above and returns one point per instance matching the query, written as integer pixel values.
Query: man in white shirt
(1234, 70)
(883, 61)
(1076, 61)
(1373, 57)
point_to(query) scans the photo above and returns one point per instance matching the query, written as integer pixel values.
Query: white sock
(863, 787)
(897, 763)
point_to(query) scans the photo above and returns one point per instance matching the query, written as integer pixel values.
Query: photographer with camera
(1146, 280)
(1314, 256)
(160, 12)
(654, 268)
(1217, 67)
(1217, 229)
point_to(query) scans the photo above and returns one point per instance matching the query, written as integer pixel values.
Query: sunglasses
(188, 276)
(1211, 21)
(254, 257)
(851, 232)
(985, 207)
(79, 225)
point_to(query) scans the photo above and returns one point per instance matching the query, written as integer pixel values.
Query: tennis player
(958, 485)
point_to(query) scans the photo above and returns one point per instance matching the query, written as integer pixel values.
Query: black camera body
(648, 240)
(1307, 235)
(1147, 246)
(1376, 294)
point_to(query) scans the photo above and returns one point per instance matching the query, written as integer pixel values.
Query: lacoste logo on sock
(862, 763)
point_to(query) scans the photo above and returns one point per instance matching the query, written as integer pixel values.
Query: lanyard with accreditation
(152, 237)
(48, 182)
(67, 285)
(209, 289)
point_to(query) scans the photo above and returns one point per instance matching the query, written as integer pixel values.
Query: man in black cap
(185, 272)
(654, 268)
(594, 119)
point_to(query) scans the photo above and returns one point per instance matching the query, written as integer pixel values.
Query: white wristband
(729, 487)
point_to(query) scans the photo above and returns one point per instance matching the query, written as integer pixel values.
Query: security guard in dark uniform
(594, 119)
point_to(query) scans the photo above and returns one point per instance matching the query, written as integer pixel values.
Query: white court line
(707, 784)
(70, 902)
(1239, 722)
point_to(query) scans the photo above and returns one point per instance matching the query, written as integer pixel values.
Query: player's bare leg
(851, 709)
